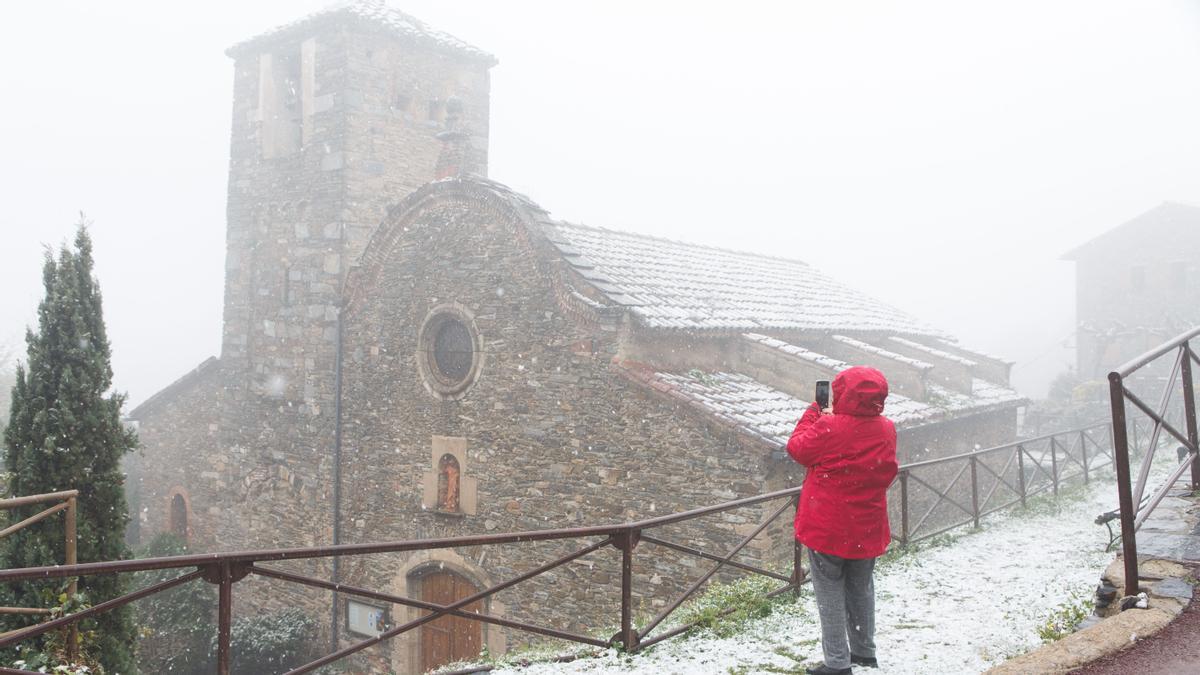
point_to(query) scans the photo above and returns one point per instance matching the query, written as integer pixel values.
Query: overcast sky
(940, 155)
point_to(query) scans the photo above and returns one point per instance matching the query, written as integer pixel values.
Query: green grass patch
(1064, 619)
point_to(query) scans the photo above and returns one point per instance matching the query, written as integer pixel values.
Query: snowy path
(959, 608)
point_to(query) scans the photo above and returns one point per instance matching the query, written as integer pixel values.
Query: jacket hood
(859, 391)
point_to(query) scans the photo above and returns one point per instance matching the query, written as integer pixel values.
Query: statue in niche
(448, 473)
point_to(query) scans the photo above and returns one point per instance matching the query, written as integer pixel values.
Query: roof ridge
(1168, 204)
(380, 13)
(683, 242)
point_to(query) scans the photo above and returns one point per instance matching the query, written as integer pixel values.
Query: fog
(938, 155)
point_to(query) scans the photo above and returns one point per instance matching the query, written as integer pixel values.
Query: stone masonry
(380, 327)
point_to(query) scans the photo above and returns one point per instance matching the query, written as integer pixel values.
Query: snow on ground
(957, 608)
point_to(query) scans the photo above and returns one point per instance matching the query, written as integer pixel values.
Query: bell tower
(336, 116)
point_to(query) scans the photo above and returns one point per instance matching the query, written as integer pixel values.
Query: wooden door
(449, 638)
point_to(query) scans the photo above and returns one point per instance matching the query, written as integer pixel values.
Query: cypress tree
(65, 432)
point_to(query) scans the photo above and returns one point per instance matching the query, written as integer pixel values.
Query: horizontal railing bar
(421, 604)
(18, 671)
(274, 555)
(14, 502)
(1127, 368)
(673, 518)
(268, 555)
(709, 556)
(458, 604)
(1007, 446)
(25, 610)
(38, 629)
(40, 515)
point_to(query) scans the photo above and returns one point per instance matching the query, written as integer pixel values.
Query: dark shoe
(826, 670)
(868, 661)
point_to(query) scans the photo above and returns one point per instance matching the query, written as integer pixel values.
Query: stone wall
(553, 436)
(1136, 287)
(180, 452)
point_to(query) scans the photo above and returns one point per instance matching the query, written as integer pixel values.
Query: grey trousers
(845, 591)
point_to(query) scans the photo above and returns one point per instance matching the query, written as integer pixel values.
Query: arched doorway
(179, 517)
(449, 638)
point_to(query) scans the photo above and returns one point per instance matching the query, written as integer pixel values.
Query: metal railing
(1041, 464)
(226, 569)
(961, 489)
(65, 501)
(1129, 495)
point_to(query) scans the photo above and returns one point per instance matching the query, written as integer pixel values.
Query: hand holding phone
(822, 395)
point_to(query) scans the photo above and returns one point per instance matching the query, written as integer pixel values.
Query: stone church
(411, 349)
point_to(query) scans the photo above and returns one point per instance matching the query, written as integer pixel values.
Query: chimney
(456, 144)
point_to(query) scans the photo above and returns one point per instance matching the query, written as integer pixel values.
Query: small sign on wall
(366, 620)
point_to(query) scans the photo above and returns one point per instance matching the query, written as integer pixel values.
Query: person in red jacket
(850, 457)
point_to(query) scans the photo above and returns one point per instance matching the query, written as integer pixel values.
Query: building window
(1137, 278)
(452, 350)
(448, 475)
(449, 358)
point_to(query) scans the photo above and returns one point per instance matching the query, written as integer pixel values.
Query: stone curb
(1169, 594)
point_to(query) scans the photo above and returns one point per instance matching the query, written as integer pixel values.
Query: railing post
(1189, 410)
(1116, 391)
(798, 575)
(224, 618)
(73, 587)
(629, 636)
(904, 508)
(1083, 454)
(975, 490)
(1021, 472)
(1054, 464)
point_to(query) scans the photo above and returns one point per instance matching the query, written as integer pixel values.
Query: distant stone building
(1136, 286)
(405, 358)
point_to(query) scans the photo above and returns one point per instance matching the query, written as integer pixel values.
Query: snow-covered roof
(671, 284)
(827, 362)
(768, 414)
(883, 353)
(978, 354)
(378, 15)
(926, 349)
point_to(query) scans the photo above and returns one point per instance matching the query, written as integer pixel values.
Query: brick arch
(507, 207)
(179, 513)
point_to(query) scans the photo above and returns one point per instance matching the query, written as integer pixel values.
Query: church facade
(413, 350)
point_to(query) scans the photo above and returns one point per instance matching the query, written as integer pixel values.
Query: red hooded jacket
(851, 460)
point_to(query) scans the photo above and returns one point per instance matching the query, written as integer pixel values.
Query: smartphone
(822, 394)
